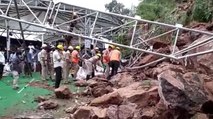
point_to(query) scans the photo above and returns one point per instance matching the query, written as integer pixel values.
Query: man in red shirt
(75, 58)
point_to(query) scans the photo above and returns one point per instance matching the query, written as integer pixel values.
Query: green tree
(118, 8)
(155, 9)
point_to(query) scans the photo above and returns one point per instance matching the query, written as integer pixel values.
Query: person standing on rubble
(43, 61)
(58, 64)
(75, 58)
(106, 59)
(90, 65)
(115, 58)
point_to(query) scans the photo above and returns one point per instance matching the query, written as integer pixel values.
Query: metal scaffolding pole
(31, 11)
(133, 33)
(48, 9)
(86, 37)
(75, 19)
(143, 20)
(194, 46)
(20, 25)
(155, 37)
(8, 7)
(175, 43)
(196, 54)
(56, 14)
(22, 34)
(8, 39)
(111, 29)
(148, 64)
(93, 26)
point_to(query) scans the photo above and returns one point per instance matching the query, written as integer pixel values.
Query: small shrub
(202, 11)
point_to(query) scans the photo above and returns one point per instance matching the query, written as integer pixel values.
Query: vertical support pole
(8, 7)
(175, 42)
(85, 31)
(52, 11)
(31, 11)
(8, 38)
(48, 9)
(56, 14)
(93, 26)
(22, 34)
(20, 25)
(133, 33)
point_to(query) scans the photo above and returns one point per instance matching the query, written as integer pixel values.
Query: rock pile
(171, 91)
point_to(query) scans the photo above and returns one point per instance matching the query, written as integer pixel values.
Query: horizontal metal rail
(86, 37)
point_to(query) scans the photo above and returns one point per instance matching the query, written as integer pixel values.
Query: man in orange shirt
(115, 57)
(106, 59)
(75, 58)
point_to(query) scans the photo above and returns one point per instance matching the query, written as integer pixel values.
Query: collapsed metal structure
(51, 21)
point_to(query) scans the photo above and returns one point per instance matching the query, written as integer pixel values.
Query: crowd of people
(60, 62)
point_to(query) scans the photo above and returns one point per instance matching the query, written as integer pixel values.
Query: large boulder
(178, 90)
(121, 112)
(126, 111)
(100, 87)
(89, 112)
(122, 79)
(108, 99)
(167, 66)
(112, 112)
(63, 92)
(151, 57)
(141, 93)
(205, 60)
(148, 114)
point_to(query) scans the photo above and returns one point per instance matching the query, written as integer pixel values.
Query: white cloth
(31, 48)
(2, 58)
(57, 59)
(81, 74)
(39, 56)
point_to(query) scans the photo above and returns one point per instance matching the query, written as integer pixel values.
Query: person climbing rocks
(115, 58)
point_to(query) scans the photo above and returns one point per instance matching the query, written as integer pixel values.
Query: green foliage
(155, 9)
(202, 11)
(161, 10)
(118, 8)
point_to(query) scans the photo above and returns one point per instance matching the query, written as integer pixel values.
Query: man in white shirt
(2, 63)
(58, 64)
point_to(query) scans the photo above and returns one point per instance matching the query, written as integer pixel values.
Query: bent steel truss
(50, 21)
